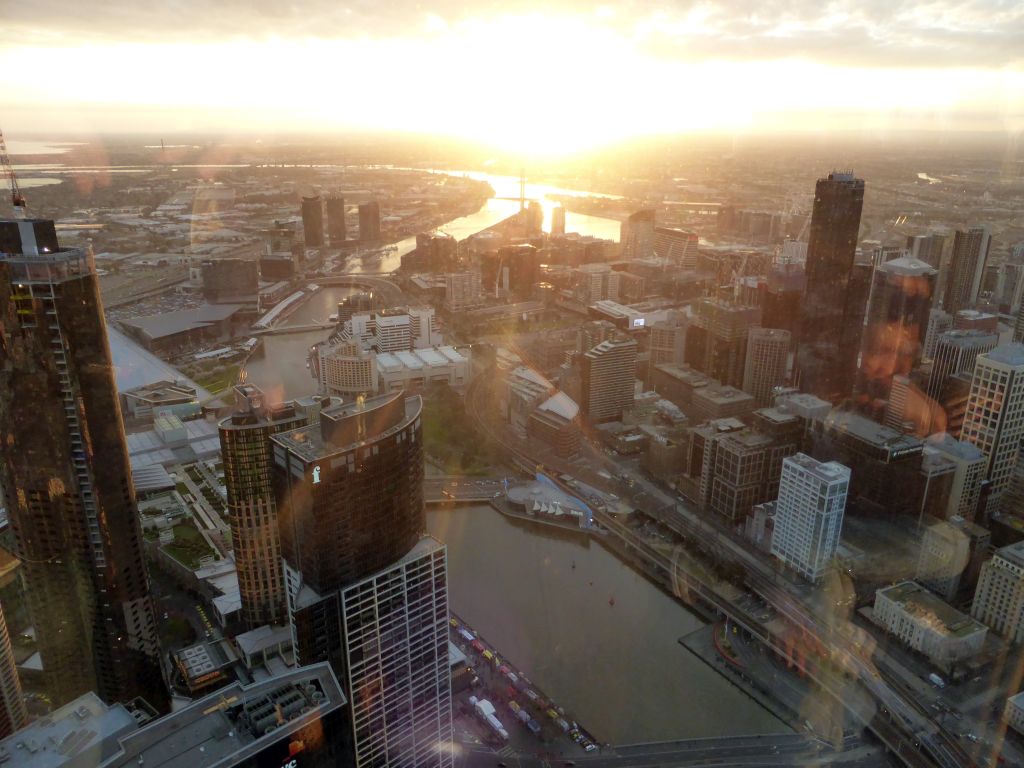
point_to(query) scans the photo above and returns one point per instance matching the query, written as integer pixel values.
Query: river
(618, 669)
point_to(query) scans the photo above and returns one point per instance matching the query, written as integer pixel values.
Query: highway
(440, 490)
(902, 725)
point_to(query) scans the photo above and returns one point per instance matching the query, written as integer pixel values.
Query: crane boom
(17, 199)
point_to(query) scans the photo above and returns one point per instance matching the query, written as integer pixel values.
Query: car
(590, 747)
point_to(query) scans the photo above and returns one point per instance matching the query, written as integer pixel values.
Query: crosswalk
(506, 751)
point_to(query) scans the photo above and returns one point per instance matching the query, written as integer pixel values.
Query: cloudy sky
(561, 73)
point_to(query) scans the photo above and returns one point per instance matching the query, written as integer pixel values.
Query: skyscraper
(365, 591)
(832, 310)
(558, 220)
(938, 323)
(369, 221)
(64, 467)
(994, 421)
(676, 245)
(897, 322)
(767, 359)
(716, 341)
(336, 228)
(956, 352)
(966, 268)
(784, 290)
(809, 514)
(927, 248)
(313, 221)
(637, 235)
(246, 452)
(607, 376)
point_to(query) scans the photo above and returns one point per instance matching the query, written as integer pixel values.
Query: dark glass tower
(897, 320)
(369, 221)
(313, 221)
(64, 467)
(832, 311)
(336, 228)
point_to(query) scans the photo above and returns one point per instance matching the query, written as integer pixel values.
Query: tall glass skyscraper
(832, 310)
(366, 591)
(64, 468)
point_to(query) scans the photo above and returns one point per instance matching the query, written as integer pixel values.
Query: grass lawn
(188, 546)
(448, 435)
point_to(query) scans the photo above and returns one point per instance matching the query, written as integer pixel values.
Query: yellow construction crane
(17, 199)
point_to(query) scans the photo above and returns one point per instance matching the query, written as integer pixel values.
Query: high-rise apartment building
(393, 330)
(365, 591)
(369, 221)
(313, 221)
(462, 289)
(64, 468)
(668, 340)
(809, 514)
(767, 361)
(832, 310)
(595, 282)
(637, 235)
(966, 268)
(897, 321)
(336, 228)
(246, 454)
(558, 221)
(999, 598)
(347, 369)
(607, 376)
(957, 352)
(676, 245)
(994, 421)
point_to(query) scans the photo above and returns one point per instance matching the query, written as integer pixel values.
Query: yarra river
(617, 669)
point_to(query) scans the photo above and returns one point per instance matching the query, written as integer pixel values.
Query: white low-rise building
(927, 624)
(420, 367)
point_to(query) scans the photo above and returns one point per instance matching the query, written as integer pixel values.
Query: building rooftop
(81, 734)
(686, 374)
(827, 471)
(908, 265)
(181, 320)
(943, 617)
(562, 405)
(958, 449)
(722, 394)
(1013, 554)
(1008, 354)
(233, 723)
(873, 433)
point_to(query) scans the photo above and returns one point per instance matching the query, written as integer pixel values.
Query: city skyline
(862, 68)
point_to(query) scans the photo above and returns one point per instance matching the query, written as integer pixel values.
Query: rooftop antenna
(17, 199)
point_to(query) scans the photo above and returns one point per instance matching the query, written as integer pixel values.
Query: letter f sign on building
(316, 474)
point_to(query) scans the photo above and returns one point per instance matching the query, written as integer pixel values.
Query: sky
(533, 76)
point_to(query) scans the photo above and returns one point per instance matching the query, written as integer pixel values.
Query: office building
(595, 282)
(832, 310)
(999, 598)
(780, 303)
(65, 472)
(716, 341)
(896, 324)
(419, 368)
(365, 591)
(767, 361)
(975, 320)
(667, 341)
(293, 720)
(927, 248)
(938, 323)
(336, 229)
(252, 509)
(928, 625)
(966, 267)
(607, 377)
(944, 556)
(369, 221)
(957, 352)
(637, 235)
(809, 514)
(558, 221)
(392, 330)
(1009, 288)
(970, 472)
(462, 290)
(676, 245)
(994, 421)
(909, 409)
(313, 221)
(1013, 712)
(737, 480)
(1018, 327)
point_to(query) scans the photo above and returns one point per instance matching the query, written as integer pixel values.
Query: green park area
(448, 435)
(188, 546)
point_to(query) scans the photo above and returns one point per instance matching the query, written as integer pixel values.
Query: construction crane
(17, 199)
